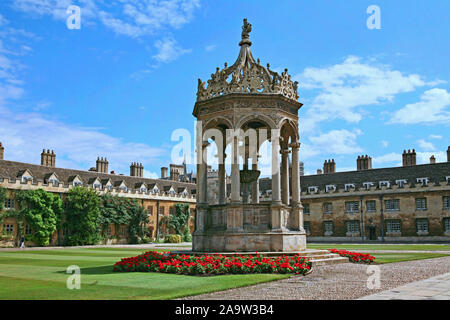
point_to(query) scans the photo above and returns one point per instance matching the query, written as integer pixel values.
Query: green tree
(2, 197)
(138, 219)
(43, 211)
(179, 221)
(82, 207)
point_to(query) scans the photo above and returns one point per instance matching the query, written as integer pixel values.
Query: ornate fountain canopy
(247, 76)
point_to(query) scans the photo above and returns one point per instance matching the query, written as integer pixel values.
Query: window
(97, 186)
(172, 210)
(328, 228)
(422, 225)
(8, 229)
(54, 181)
(329, 187)
(123, 231)
(155, 190)
(371, 206)
(123, 188)
(161, 210)
(368, 185)
(392, 205)
(9, 204)
(351, 206)
(306, 208)
(446, 203)
(150, 211)
(143, 189)
(109, 231)
(25, 179)
(446, 225)
(401, 182)
(393, 226)
(313, 189)
(109, 187)
(349, 186)
(352, 226)
(28, 229)
(307, 227)
(423, 181)
(384, 183)
(77, 183)
(421, 204)
(327, 207)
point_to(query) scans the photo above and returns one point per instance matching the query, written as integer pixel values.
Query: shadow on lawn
(108, 269)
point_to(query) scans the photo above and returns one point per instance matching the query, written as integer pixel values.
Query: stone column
(204, 169)
(296, 203)
(255, 184)
(285, 176)
(222, 180)
(235, 178)
(276, 195)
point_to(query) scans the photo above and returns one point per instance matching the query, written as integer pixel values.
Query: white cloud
(433, 107)
(425, 145)
(333, 142)
(25, 135)
(424, 157)
(389, 158)
(168, 50)
(434, 136)
(210, 47)
(134, 18)
(344, 87)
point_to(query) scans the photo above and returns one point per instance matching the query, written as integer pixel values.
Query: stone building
(404, 204)
(156, 195)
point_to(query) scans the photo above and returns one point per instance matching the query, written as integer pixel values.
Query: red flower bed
(354, 256)
(153, 261)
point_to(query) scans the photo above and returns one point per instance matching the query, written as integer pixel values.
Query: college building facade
(399, 204)
(157, 196)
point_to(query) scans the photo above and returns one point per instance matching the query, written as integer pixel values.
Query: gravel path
(336, 282)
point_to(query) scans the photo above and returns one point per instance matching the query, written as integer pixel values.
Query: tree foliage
(118, 210)
(179, 221)
(2, 197)
(43, 211)
(82, 208)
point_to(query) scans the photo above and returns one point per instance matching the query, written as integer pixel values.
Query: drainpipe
(382, 218)
(362, 218)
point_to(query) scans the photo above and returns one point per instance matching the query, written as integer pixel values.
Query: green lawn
(42, 275)
(408, 247)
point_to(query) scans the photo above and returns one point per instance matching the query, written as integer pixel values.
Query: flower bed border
(165, 262)
(354, 257)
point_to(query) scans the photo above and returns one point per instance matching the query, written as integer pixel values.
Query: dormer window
(77, 183)
(155, 190)
(172, 192)
(401, 182)
(123, 188)
(185, 193)
(97, 186)
(54, 181)
(349, 186)
(313, 189)
(367, 185)
(329, 187)
(423, 181)
(384, 183)
(143, 189)
(447, 178)
(25, 176)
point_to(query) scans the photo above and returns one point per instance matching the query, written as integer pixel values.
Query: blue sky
(120, 85)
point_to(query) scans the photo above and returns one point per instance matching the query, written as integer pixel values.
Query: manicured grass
(381, 258)
(42, 275)
(408, 247)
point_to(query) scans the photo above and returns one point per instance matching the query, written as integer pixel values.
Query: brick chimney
(319, 171)
(409, 158)
(174, 175)
(432, 160)
(329, 166)
(48, 158)
(2, 151)
(164, 171)
(136, 170)
(448, 154)
(101, 165)
(363, 163)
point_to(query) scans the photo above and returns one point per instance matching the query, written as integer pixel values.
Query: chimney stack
(2, 151)
(409, 158)
(136, 170)
(174, 175)
(101, 165)
(329, 166)
(363, 163)
(448, 154)
(164, 171)
(319, 171)
(48, 158)
(432, 160)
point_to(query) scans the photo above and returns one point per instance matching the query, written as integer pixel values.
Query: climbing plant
(42, 211)
(179, 221)
(82, 209)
